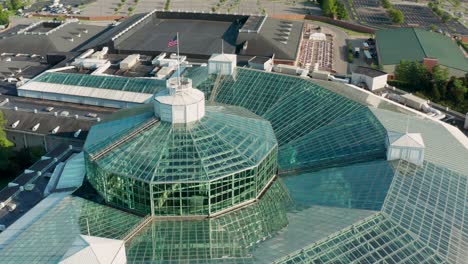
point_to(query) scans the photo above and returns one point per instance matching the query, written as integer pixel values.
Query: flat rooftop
(196, 37)
(27, 66)
(64, 39)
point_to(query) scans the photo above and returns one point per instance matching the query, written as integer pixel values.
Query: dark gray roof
(57, 41)
(68, 125)
(253, 23)
(369, 71)
(196, 37)
(29, 67)
(273, 38)
(105, 36)
(259, 60)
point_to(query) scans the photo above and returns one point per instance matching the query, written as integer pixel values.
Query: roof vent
(55, 130)
(36, 127)
(77, 133)
(15, 124)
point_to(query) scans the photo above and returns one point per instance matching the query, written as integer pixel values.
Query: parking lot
(107, 7)
(368, 12)
(422, 16)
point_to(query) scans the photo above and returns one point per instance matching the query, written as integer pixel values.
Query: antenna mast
(178, 60)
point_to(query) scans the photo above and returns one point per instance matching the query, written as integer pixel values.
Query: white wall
(372, 83)
(413, 155)
(379, 82)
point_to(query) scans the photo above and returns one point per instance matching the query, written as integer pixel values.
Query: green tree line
(435, 85)
(395, 15)
(334, 9)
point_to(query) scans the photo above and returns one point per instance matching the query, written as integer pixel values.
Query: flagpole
(178, 60)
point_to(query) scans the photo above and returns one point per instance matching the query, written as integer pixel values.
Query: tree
(457, 91)
(435, 94)
(4, 20)
(14, 4)
(341, 11)
(446, 17)
(396, 16)
(440, 74)
(386, 4)
(329, 8)
(5, 144)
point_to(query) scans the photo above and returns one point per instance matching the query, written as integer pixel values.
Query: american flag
(173, 42)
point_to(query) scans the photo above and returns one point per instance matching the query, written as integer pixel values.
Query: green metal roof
(227, 140)
(413, 44)
(138, 85)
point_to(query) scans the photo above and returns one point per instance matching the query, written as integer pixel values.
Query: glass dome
(203, 168)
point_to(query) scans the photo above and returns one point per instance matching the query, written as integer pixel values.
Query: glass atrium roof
(139, 85)
(50, 237)
(347, 205)
(227, 140)
(375, 240)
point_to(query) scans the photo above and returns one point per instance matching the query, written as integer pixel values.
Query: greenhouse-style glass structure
(201, 168)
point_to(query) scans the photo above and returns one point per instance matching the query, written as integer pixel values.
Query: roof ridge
(419, 42)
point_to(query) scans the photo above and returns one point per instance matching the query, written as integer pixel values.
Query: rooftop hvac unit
(15, 124)
(12, 184)
(11, 207)
(55, 130)
(36, 127)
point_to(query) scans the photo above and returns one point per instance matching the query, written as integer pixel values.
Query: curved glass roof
(227, 140)
(349, 203)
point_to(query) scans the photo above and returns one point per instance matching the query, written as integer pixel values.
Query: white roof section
(318, 36)
(95, 250)
(222, 57)
(179, 103)
(414, 98)
(412, 140)
(183, 98)
(81, 91)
